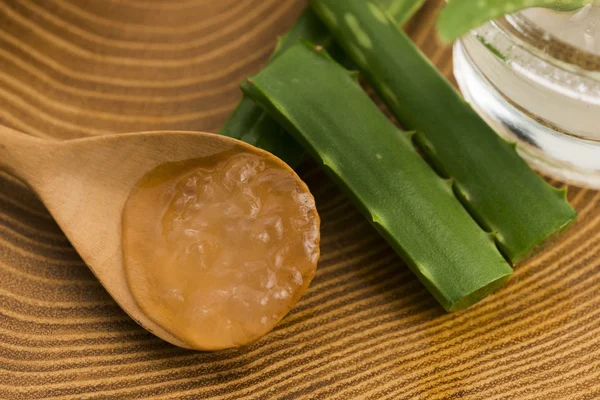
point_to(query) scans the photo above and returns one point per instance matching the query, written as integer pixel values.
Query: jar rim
(548, 47)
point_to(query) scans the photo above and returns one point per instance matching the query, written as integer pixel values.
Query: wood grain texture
(366, 328)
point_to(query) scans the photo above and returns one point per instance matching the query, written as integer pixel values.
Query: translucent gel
(217, 250)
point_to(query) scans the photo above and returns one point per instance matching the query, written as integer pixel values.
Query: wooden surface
(365, 329)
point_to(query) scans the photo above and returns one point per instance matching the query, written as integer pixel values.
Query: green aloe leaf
(252, 125)
(502, 193)
(460, 16)
(325, 109)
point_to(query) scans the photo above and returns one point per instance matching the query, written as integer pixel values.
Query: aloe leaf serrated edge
(460, 16)
(252, 125)
(321, 105)
(502, 193)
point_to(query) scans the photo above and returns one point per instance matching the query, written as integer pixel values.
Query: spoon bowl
(84, 183)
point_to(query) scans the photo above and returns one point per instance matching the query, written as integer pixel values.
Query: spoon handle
(20, 153)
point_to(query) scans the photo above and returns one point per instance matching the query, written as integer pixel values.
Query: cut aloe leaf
(251, 125)
(499, 189)
(460, 16)
(324, 108)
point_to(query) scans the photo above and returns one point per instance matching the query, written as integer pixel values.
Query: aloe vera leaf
(251, 125)
(325, 109)
(499, 189)
(460, 16)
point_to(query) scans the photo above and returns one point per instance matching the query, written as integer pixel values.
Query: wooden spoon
(85, 183)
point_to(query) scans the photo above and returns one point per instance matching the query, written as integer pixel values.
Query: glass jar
(537, 90)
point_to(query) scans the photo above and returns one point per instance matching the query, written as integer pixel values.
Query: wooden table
(366, 328)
